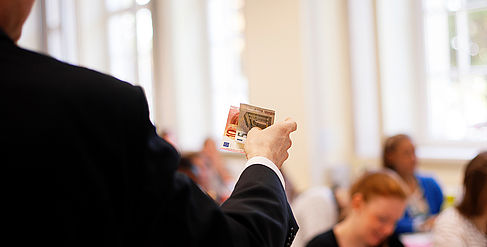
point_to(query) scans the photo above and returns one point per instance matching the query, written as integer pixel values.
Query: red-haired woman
(378, 200)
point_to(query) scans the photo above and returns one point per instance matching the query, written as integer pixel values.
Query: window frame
(238, 79)
(422, 130)
(133, 9)
(72, 46)
(428, 147)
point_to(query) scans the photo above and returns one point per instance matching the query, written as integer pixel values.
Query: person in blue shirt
(425, 195)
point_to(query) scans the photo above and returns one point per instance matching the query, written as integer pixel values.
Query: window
(229, 86)
(60, 29)
(455, 45)
(433, 74)
(201, 50)
(111, 36)
(130, 33)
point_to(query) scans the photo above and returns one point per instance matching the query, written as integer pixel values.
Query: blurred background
(350, 72)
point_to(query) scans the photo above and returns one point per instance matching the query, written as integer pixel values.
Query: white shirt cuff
(259, 160)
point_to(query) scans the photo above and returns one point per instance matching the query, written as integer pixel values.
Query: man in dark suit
(85, 166)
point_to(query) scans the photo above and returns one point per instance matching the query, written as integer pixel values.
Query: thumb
(254, 129)
(289, 125)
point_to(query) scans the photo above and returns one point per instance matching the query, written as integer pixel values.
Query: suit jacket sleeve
(258, 208)
(176, 212)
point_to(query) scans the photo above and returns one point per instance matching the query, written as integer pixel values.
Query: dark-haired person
(425, 195)
(377, 201)
(466, 224)
(85, 167)
(188, 167)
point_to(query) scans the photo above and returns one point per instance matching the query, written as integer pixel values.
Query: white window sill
(439, 152)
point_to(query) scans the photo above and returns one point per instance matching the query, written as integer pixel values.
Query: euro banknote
(240, 121)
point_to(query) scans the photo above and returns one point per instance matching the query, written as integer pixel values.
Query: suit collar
(4, 36)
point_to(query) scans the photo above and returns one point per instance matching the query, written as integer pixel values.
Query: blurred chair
(316, 211)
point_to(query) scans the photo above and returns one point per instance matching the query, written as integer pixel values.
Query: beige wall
(274, 68)
(291, 57)
(288, 74)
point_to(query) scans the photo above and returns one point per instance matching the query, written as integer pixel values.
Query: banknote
(229, 142)
(252, 116)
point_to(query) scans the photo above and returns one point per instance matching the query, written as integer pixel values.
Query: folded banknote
(229, 142)
(240, 121)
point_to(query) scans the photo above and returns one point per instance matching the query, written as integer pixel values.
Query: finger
(289, 125)
(254, 129)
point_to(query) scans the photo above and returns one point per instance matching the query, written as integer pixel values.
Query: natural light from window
(130, 42)
(455, 38)
(229, 86)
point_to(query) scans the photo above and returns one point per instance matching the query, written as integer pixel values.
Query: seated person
(425, 195)
(169, 137)
(193, 165)
(377, 202)
(220, 182)
(187, 167)
(466, 224)
(213, 158)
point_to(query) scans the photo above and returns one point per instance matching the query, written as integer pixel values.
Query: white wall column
(325, 29)
(182, 88)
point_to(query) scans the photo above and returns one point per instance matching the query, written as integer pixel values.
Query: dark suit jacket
(85, 167)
